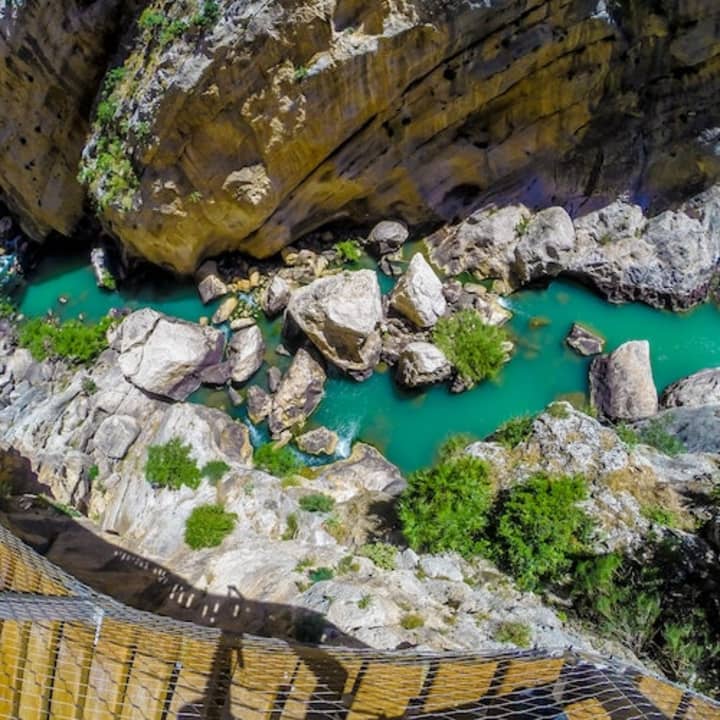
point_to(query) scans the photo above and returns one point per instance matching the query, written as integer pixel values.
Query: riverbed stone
(274, 376)
(700, 388)
(166, 356)
(246, 351)
(115, 435)
(422, 363)
(387, 237)
(276, 296)
(320, 441)
(209, 283)
(418, 294)
(584, 341)
(225, 310)
(259, 404)
(300, 392)
(621, 383)
(340, 315)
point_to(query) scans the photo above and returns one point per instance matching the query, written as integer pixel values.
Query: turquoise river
(408, 427)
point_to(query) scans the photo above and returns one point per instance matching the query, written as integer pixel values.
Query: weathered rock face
(621, 383)
(584, 341)
(700, 388)
(422, 363)
(300, 112)
(319, 441)
(52, 59)
(246, 352)
(166, 356)
(340, 315)
(418, 295)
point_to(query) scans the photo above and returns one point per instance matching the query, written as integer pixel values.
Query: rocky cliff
(243, 125)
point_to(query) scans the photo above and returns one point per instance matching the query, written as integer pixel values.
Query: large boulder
(300, 392)
(209, 283)
(387, 237)
(319, 441)
(422, 363)
(276, 296)
(166, 356)
(700, 388)
(622, 385)
(246, 351)
(340, 315)
(418, 294)
(584, 341)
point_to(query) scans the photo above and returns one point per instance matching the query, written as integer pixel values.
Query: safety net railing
(69, 652)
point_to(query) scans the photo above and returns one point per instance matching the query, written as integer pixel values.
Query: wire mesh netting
(69, 652)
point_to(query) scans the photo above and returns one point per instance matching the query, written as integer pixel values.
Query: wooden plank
(590, 709)
(459, 683)
(530, 673)
(72, 670)
(196, 669)
(664, 697)
(386, 690)
(13, 645)
(39, 670)
(700, 709)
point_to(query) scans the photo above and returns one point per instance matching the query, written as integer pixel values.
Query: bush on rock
(208, 525)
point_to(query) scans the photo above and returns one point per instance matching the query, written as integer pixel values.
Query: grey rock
(387, 237)
(300, 392)
(246, 352)
(236, 398)
(216, 374)
(418, 294)
(225, 310)
(19, 364)
(276, 296)
(115, 435)
(584, 341)
(274, 376)
(442, 567)
(209, 283)
(422, 363)
(545, 245)
(165, 356)
(397, 333)
(340, 314)
(700, 388)
(697, 428)
(259, 404)
(621, 383)
(319, 441)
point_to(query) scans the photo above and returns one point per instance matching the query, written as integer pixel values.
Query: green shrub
(446, 507)
(208, 15)
(382, 554)
(208, 525)
(151, 19)
(627, 435)
(347, 565)
(106, 111)
(7, 308)
(214, 471)
(522, 225)
(515, 633)
(280, 462)
(320, 574)
(172, 30)
(348, 250)
(475, 349)
(292, 527)
(365, 602)
(93, 473)
(558, 410)
(454, 447)
(317, 502)
(301, 72)
(71, 340)
(411, 621)
(516, 430)
(655, 433)
(539, 530)
(660, 516)
(171, 466)
(89, 386)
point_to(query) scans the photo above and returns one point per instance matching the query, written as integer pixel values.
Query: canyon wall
(243, 125)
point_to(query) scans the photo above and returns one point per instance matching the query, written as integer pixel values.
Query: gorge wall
(243, 125)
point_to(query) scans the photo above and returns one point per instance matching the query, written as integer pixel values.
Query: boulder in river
(259, 404)
(319, 441)
(387, 237)
(209, 283)
(164, 355)
(246, 352)
(622, 385)
(340, 314)
(584, 341)
(422, 363)
(276, 296)
(418, 294)
(225, 310)
(300, 392)
(700, 388)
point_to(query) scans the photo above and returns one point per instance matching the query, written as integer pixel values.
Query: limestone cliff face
(52, 58)
(243, 125)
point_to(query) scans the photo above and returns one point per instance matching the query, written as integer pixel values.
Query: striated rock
(300, 392)
(216, 374)
(696, 427)
(387, 237)
(259, 404)
(224, 311)
(340, 315)
(418, 295)
(621, 383)
(276, 296)
(422, 363)
(365, 470)
(166, 356)
(700, 388)
(584, 341)
(209, 283)
(115, 435)
(319, 441)
(246, 352)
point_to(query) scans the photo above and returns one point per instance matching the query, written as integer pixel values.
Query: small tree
(208, 525)
(171, 466)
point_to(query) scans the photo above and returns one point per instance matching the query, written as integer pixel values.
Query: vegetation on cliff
(71, 340)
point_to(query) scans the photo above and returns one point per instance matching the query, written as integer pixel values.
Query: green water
(408, 427)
